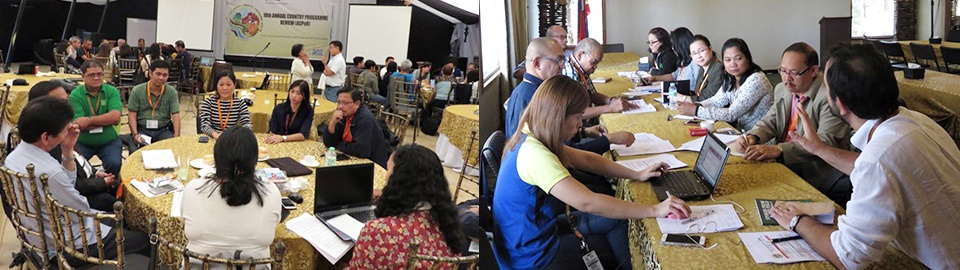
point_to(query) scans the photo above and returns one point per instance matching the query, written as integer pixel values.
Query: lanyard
(682, 69)
(289, 121)
(870, 136)
(586, 82)
(94, 111)
(705, 77)
(573, 226)
(224, 120)
(153, 107)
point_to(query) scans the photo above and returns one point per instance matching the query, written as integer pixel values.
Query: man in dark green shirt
(96, 109)
(154, 108)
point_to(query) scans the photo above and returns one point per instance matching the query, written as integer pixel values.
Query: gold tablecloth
(937, 95)
(242, 82)
(19, 94)
(742, 183)
(908, 53)
(622, 61)
(458, 121)
(263, 105)
(300, 254)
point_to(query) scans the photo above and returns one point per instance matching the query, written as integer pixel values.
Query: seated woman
(688, 70)
(385, 80)
(232, 198)
(664, 59)
(292, 120)
(710, 77)
(223, 109)
(415, 205)
(536, 164)
(745, 95)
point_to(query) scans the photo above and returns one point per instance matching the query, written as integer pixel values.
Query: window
(594, 20)
(493, 18)
(873, 18)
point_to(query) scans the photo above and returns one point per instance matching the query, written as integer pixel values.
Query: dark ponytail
(235, 155)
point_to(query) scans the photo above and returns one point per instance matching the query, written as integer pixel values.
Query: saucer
(316, 163)
(264, 158)
(199, 164)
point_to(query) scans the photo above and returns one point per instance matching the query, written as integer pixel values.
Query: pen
(668, 194)
(784, 239)
(692, 219)
(743, 133)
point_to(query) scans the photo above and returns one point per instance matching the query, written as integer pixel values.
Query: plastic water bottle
(183, 172)
(331, 156)
(673, 96)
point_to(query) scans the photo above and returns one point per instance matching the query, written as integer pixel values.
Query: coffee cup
(707, 124)
(309, 159)
(10, 82)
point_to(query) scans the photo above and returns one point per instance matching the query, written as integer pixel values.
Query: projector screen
(369, 36)
(187, 20)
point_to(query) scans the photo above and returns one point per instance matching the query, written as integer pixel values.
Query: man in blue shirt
(546, 59)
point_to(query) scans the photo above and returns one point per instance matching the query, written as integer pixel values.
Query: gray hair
(589, 46)
(406, 65)
(74, 39)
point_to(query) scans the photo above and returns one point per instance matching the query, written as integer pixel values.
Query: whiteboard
(371, 35)
(141, 28)
(187, 20)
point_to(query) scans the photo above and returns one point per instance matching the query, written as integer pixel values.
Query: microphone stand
(258, 54)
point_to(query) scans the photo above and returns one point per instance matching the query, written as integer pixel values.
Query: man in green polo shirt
(96, 109)
(154, 108)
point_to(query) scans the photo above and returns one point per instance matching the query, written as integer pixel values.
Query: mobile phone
(203, 139)
(670, 239)
(288, 203)
(692, 122)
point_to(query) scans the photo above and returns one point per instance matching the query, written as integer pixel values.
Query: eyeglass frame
(652, 42)
(794, 74)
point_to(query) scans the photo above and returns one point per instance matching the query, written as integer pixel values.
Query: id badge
(592, 261)
(96, 130)
(153, 124)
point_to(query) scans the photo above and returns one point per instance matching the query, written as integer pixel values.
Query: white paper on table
(697, 143)
(177, 204)
(144, 188)
(626, 73)
(762, 251)
(648, 89)
(723, 219)
(644, 143)
(643, 107)
(347, 224)
(644, 163)
(156, 159)
(635, 94)
(322, 238)
(684, 117)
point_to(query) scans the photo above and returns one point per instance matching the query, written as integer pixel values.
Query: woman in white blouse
(301, 69)
(746, 94)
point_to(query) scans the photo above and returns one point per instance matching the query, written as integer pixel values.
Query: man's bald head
(588, 54)
(544, 58)
(557, 33)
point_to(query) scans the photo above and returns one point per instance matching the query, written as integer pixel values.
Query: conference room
(720, 134)
(285, 134)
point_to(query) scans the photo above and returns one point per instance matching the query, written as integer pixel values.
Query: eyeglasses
(345, 102)
(558, 60)
(94, 75)
(651, 42)
(701, 50)
(794, 74)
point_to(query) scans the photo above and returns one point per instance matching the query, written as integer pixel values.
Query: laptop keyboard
(678, 184)
(363, 216)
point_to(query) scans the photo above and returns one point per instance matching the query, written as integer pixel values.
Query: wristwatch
(284, 137)
(794, 221)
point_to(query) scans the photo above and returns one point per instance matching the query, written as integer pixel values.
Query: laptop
(683, 87)
(346, 189)
(206, 60)
(25, 70)
(699, 183)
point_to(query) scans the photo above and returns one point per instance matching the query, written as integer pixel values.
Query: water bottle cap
(331, 148)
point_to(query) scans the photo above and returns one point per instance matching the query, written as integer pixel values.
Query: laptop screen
(713, 156)
(340, 187)
(206, 61)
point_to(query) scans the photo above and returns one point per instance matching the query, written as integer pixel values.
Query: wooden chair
(396, 123)
(951, 56)
(175, 253)
(471, 155)
(191, 84)
(60, 60)
(279, 82)
(176, 72)
(406, 102)
(414, 257)
(127, 69)
(65, 218)
(21, 192)
(924, 52)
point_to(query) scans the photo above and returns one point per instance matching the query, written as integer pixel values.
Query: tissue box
(913, 73)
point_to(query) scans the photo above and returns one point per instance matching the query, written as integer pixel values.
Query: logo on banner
(246, 21)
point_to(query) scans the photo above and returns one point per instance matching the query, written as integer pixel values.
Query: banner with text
(253, 24)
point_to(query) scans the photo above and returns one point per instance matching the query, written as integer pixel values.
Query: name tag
(96, 130)
(153, 124)
(592, 261)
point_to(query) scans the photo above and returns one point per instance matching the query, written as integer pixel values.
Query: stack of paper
(644, 163)
(322, 238)
(643, 107)
(704, 219)
(644, 143)
(599, 80)
(347, 224)
(763, 251)
(157, 159)
(697, 143)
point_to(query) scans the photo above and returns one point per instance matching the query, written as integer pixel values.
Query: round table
(139, 209)
(18, 94)
(455, 132)
(264, 102)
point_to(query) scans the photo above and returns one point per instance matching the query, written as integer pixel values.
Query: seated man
(554, 32)
(804, 86)
(582, 64)
(96, 109)
(154, 108)
(358, 66)
(371, 83)
(74, 50)
(49, 126)
(184, 57)
(907, 189)
(354, 130)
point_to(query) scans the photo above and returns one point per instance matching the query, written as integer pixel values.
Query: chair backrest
(25, 208)
(60, 58)
(470, 159)
(12, 141)
(892, 49)
(279, 82)
(491, 154)
(414, 257)
(613, 48)
(954, 34)
(65, 218)
(396, 123)
(404, 100)
(128, 69)
(923, 51)
(176, 250)
(950, 55)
